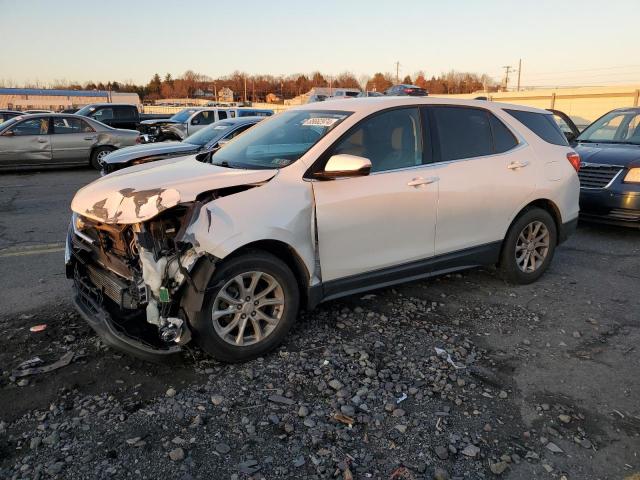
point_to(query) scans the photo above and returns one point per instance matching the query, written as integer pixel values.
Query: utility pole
(519, 71)
(397, 73)
(507, 69)
(245, 88)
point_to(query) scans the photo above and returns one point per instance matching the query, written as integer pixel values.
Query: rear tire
(239, 322)
(529, 246)
(97, 156)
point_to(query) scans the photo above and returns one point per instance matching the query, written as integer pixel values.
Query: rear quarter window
(543, 125)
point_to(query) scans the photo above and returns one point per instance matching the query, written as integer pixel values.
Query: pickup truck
(190, 120)
(118, 115)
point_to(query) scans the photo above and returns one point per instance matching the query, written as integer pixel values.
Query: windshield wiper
(223, 163)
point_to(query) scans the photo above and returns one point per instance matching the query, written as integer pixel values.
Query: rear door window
(462, 132)
(123, 113)
(63, 125)
(542, 124)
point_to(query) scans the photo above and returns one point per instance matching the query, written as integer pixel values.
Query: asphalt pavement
(34, 217)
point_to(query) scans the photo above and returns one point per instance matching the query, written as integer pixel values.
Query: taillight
(574, 160)
(138, 139)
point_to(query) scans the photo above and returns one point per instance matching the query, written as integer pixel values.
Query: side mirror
(570, 136)
(195, 121)
(344, 166)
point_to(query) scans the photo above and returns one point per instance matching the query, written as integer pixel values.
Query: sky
(562, 42)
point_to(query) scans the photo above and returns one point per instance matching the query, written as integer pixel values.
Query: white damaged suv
(316, 203)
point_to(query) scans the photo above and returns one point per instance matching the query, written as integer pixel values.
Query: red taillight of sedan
(574, 160)
(138, 139)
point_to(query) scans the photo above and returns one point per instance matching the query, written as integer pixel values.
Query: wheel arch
(288, 255)
(96, 147)
(543, 203)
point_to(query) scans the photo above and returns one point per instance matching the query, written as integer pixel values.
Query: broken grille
(597, 176)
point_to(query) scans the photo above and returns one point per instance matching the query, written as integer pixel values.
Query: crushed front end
(135, 284)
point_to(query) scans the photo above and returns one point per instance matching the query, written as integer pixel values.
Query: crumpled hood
(139, 193)
(609, 154)
(149, 149)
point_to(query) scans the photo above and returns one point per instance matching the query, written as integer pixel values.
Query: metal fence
(175, 109)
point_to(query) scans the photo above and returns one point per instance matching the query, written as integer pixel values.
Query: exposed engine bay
(137, 271)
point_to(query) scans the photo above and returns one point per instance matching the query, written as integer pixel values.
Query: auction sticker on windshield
(319, 122)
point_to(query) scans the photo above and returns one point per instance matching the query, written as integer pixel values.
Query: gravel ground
(457, 377)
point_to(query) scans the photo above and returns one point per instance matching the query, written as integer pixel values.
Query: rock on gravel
(177, 454)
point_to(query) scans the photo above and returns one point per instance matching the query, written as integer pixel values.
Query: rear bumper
(604, 205)
(567, 229)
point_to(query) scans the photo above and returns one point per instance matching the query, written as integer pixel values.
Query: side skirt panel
(483, 255)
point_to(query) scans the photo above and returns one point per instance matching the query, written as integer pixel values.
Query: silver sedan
(59, 140)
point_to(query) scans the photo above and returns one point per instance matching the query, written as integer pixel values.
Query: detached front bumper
(93, 299)
(89, 303)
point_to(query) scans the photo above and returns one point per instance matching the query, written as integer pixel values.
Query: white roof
(373, 104)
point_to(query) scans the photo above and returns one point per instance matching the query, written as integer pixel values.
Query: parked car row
(203, 141)
(190, 120)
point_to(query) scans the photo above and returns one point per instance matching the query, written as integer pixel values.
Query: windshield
(183, 115)
(279, 141)
(215, 131)
(614, 127)
(84, 111)
(9, 122)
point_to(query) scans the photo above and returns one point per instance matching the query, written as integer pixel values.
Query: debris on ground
(30, 366)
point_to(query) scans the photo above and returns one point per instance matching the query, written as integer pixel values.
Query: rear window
(543, 125)
(462, 133)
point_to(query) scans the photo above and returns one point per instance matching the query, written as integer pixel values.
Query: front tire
(252, 303)
(529, 246)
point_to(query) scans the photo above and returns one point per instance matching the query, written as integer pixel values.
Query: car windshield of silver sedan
(614, 127)
(8, 123)
(280, 141)
(206, 135)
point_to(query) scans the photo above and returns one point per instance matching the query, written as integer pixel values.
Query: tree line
(260, 88)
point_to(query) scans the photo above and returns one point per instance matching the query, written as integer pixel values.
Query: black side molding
(487, 254)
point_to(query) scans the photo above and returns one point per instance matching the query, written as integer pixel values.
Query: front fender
(271, 211)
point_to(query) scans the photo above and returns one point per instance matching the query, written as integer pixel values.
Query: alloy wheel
(100, 157)
(248, 308)
(532, 246)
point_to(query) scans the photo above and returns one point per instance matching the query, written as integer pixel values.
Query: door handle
(42, 140)
(416, 182)
(515, 165)
(89, 138)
